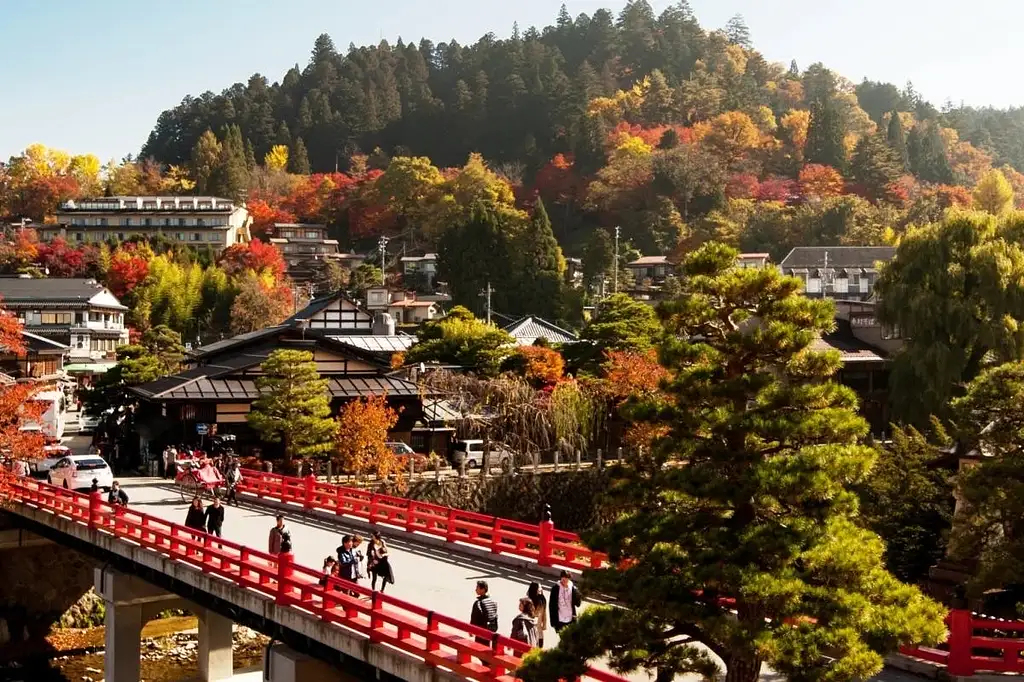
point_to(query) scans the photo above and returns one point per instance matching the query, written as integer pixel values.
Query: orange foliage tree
(629, 374)
(16, 408)
(265, 215)
(261, 258)
(540, 366)
(363, 426)
(128, 268)
(820, 182)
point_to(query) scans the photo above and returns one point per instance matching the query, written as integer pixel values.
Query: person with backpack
(485, 611)
(563, 601)
(524, 625)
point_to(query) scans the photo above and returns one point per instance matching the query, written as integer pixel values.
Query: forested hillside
(671, 132)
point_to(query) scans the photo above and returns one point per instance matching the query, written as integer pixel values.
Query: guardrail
(541, 542)
(976, 643)
(439, 640)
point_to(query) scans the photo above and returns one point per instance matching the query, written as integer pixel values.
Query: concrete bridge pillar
(130, 603)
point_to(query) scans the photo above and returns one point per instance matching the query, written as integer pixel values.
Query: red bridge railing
(976, 644)
(437, 639)
(541, 542)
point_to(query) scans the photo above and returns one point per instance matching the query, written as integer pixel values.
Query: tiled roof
(378, 344)
(527, 330)
(25, 289)
(440, 411)
(838, 256)
(41, 344)
(228, 388)
(849, 346)
(650, 260)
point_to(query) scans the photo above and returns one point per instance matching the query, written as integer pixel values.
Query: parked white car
(472, 452)
(77, 472)
(87, 422)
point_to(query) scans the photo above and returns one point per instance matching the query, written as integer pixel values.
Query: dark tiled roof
(849, 346)
(838, 256)
(239, 340)
(244, 389)
(41, 344)
(24, 290)
(529, 329)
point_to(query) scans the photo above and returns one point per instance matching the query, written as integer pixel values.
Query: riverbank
(169, 653)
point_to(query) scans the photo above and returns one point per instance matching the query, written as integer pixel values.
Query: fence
(975, 644)
(541, 542)
(437, 639)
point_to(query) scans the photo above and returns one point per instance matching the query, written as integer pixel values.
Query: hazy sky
(93, 76)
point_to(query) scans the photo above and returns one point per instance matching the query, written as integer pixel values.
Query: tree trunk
(742, 667)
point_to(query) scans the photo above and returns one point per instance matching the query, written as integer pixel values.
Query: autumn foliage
(16, 407)
(259, 257)
(628, 373)
(363, 426)
(540, 366)
(820, 182)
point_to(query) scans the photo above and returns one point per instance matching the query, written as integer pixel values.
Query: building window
(891, 333)
(813, 285)
(180, 236)
(213, 237)
(855, 281)
(200, 222)
(79, 236)
(167, 222)
(312, 234)
(128, 222)
(149, 222)
(181, 222)
(197, 236)
(55, 318)
(103, 222)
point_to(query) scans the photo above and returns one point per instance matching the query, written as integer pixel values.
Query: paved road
(429, 577)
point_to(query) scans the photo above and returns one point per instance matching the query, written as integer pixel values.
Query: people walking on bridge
(348, 565)
(196, 517)
(329, 569)
(540, 610)
(215, 517)
(485, 611)
(277, 536)
(233, 478)
(563, 602)
(524, 625)
(117, 497)
(357, 552)
(378, 563)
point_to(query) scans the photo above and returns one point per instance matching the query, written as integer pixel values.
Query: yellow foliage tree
(277, 158)
(730, 135)
(796, 122)
(363, 426)
(993, 193)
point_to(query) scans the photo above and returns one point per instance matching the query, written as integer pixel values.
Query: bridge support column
(122, 662)
(215, 658)
(130, 602)
(284, 664)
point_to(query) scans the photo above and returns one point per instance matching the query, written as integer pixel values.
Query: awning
(87, 368)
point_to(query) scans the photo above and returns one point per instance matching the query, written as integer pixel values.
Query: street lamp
(615, 272)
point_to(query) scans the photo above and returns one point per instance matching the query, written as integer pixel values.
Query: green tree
(541, 288)
(908, 500)
(825, 136)
(461, 339)
(926, 152)
(476, 252)
(953, 292)
(165, 345)
(298, 158)
(744, 498)
(598, 257)
(619, 324)
(875, 166)
(231, 175)
(294, 407)
(205, 156)
(994, 194)
(898, 140)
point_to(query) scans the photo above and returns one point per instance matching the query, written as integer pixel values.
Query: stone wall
(573, 496)
(37, 586)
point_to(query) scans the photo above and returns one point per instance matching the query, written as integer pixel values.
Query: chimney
(383, 324)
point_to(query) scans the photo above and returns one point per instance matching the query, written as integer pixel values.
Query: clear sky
(93, 76)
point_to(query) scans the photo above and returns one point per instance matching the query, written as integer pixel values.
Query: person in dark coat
(196, 517)
(116, 496)
(484, 613)
(563, 600)
(378, 563)
(215, 517)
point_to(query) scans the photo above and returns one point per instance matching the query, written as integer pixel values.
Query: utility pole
(615, 271)
(486, 293)
(382, 244)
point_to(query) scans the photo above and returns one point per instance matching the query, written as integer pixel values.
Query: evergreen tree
(284, 136)
(737, 32)
(294, 407)
(598, 257)
(250, 156)
(926, 152)
(461, 339)
(736, 529)
(475, 253)
(875, 166)
(205, 157)
(898, 141)
(231, 176)
(541, 289)
(825, 136)
(298, 159)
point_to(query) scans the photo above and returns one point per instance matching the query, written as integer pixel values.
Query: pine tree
(283, 135)
(825, 136)
(205, 157)
(294, 407)
(926, 152)
(250, 156)
(298, 159)
(231, 176)
(875, 166)
(736, 529)
(898, 141)
(541, 288)
(737, 32)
